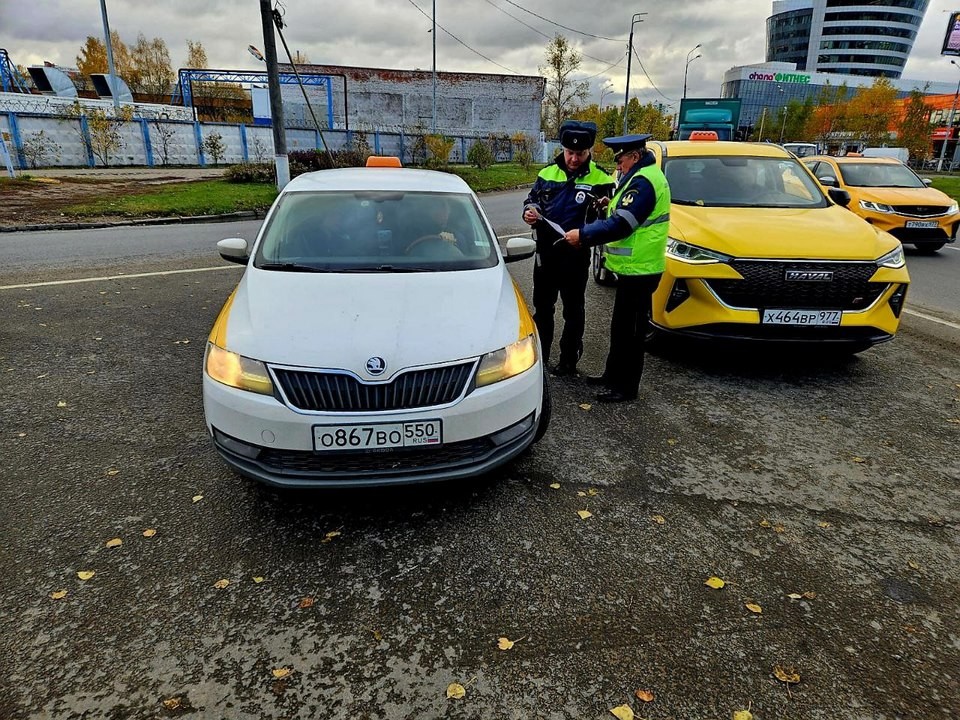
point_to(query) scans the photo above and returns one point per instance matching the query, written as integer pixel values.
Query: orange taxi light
(704, 135)
(383, 161)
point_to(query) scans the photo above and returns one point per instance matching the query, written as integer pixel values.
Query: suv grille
(921, 210)
(338, 392)
(764, 286)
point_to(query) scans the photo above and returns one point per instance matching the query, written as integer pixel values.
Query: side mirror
(828, 181)
(519, 248)
(840, 197)
(234, 250)
(927, 181)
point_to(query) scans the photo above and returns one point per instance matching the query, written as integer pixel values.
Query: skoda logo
(376, 365)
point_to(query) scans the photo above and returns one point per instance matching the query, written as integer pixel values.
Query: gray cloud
(391, 33)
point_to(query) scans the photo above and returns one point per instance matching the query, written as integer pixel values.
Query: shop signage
(799, 78)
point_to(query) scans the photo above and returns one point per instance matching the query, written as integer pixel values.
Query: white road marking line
(951, 247)
(931, 318)
(115, 277)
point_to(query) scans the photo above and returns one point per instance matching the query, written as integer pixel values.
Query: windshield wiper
(388, 268)
(290, 267)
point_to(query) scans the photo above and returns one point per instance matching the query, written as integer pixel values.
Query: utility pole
(637, 17)
(433, 127)
(276, 102)
(110, 66)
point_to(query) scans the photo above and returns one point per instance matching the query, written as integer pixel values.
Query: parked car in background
(375, 337)
(890, 196)
(759, 251)
(801, 149)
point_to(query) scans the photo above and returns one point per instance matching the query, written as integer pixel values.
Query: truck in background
(802, 149)
(721, 115)
(897, 153)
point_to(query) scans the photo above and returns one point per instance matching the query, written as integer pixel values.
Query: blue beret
(578, 135)
(626, 143)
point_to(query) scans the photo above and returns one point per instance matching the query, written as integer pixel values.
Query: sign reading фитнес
(780, 77)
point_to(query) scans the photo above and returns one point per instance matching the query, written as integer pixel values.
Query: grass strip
(201, 197)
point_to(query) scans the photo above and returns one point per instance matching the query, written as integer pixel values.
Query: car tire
(546, 410)
(929, 249)
(601, 276)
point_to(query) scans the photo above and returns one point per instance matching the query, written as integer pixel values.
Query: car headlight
(953, 209)
(876, 206)
(893, 259)
(507, 362)
(693, 254)
(237, 371)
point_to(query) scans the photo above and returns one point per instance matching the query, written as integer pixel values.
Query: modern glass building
(764, 89)
(847, 37)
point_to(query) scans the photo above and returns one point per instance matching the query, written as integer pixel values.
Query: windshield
(375, 231)
(801, 149)
(740, 181)
(879, 175)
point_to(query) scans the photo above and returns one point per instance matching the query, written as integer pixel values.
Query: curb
(180, 219)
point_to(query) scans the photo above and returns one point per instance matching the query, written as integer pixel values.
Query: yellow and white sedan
(375, 337)
(759, 251)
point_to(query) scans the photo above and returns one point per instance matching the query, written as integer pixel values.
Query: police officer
(565, 193)
(635, 233)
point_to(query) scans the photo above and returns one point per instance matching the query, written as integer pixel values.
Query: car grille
(764, 286)
(921, 210)
(909, 235)
(382, 462)
(338, 392)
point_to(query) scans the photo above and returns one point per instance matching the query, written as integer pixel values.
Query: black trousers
(628, 330)
(564, 275)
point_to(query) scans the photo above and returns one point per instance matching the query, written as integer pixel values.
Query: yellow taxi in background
(758, 251)
(889, 195)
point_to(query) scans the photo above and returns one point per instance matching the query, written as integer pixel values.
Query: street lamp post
(953, 108)
(763, 116)
(604, 91)
(783, 126)
(110, 66)
(689, 60)
(637, 17)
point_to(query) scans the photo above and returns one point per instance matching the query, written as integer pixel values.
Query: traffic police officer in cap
(564, 196)
(635, 233)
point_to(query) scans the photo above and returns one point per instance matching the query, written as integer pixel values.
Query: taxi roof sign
(704, 135)
(383, 161)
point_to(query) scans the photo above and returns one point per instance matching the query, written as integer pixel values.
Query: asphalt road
(782, 475)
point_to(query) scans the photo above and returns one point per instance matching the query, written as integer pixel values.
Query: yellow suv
(759, 251)
(890, 196)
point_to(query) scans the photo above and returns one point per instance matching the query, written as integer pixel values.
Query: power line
(609, 67)
(579, 32)
(637, 56)
(462, 42)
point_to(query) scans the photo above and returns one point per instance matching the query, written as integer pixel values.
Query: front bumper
(263, 439)
(896, 225)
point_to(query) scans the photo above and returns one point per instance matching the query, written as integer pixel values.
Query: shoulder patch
(628, 197)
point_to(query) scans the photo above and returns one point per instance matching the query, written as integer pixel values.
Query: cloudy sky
(395, 34)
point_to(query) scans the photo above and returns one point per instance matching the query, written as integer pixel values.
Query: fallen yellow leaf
(823, 524)
(258, 580)
(86, 574)
(795, 596)
(955, 421)
(221, 584)
(786, 674)
(754, 608)
(58, 595)
(858, 459)
(149, 532)
(623, 712)
(644, 695)
(742, 715)
(764, 523)
(377, 635)
(61, 404)
(779, 529)
(659, 519)
(197, 498)
(555, 486)
(584, 514)
(116, 542)
(171, 703)
(671, 441)
(306, 602)
(505, 644)
(112, 471)
(810, 595)
(581, 493)
(714, 582)
(280, 673)
(585, 406)
(593, 491)
(456, 691)
(913, 565)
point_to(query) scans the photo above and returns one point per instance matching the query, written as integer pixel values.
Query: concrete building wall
(468, 104)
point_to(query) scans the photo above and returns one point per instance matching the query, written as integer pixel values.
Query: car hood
(903, 196)
(831, 233)
(340, 320)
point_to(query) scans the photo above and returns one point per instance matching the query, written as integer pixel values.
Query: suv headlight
(507, 362)
(693, 254)
(953, 209)
(876, 206)
(893, 259)
(237, 371)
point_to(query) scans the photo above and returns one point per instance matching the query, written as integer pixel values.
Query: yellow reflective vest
(643, 252)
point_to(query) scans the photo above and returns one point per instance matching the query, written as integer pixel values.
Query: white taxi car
(375, 337)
